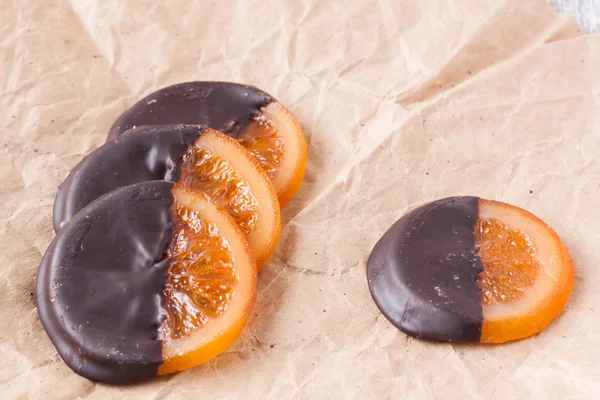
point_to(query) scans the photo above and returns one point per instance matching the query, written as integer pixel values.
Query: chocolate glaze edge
(225, 106)
(103, 309)
(423, 272)
(148, 153)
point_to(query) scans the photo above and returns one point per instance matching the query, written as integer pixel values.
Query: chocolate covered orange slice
(469, 269)
(149, 279)
(258, 121)
(196, 156)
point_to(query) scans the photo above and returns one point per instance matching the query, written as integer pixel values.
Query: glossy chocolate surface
(145, 154)
(100, 284)
(224, 106)
(423, 271)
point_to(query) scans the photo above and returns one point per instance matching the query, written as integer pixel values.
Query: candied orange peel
(277, 141)
(528, 273)
(211, 284)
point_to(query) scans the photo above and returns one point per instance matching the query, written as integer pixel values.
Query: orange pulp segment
(219, 166)
(277, 141)
(528, 274)
(211, 285)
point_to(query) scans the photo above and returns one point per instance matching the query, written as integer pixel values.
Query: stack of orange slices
(223, 223)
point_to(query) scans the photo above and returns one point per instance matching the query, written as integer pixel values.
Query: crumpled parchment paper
(402, 102)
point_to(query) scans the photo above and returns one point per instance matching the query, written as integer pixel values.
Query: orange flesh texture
(265, 143)
(528, 274)
(219, 166)
(204, 170)
(502, 281)
(211, 284)
(277, 141)
(201, 275)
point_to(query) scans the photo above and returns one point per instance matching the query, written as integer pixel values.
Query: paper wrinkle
(325, 191)
(402, 103)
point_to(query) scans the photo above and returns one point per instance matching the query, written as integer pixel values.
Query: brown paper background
(402, 102)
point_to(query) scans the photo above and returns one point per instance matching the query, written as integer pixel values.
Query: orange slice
(277, 141)
(528, 274)
(211, 283)
(219, 166)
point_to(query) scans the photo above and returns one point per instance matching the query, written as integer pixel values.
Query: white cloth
(587, 12)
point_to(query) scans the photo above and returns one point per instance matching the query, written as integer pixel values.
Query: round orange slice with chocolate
(196, 156)
(465, 269)
(258, 121)
(149, 279)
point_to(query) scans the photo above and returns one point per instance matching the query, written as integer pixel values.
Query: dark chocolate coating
(225, 106)
(423, 271)
(100, 284)
(145, 154)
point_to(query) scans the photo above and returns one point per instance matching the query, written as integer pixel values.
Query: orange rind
(528, 274)
(277, 142)
(219, 166)
(211, 285)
